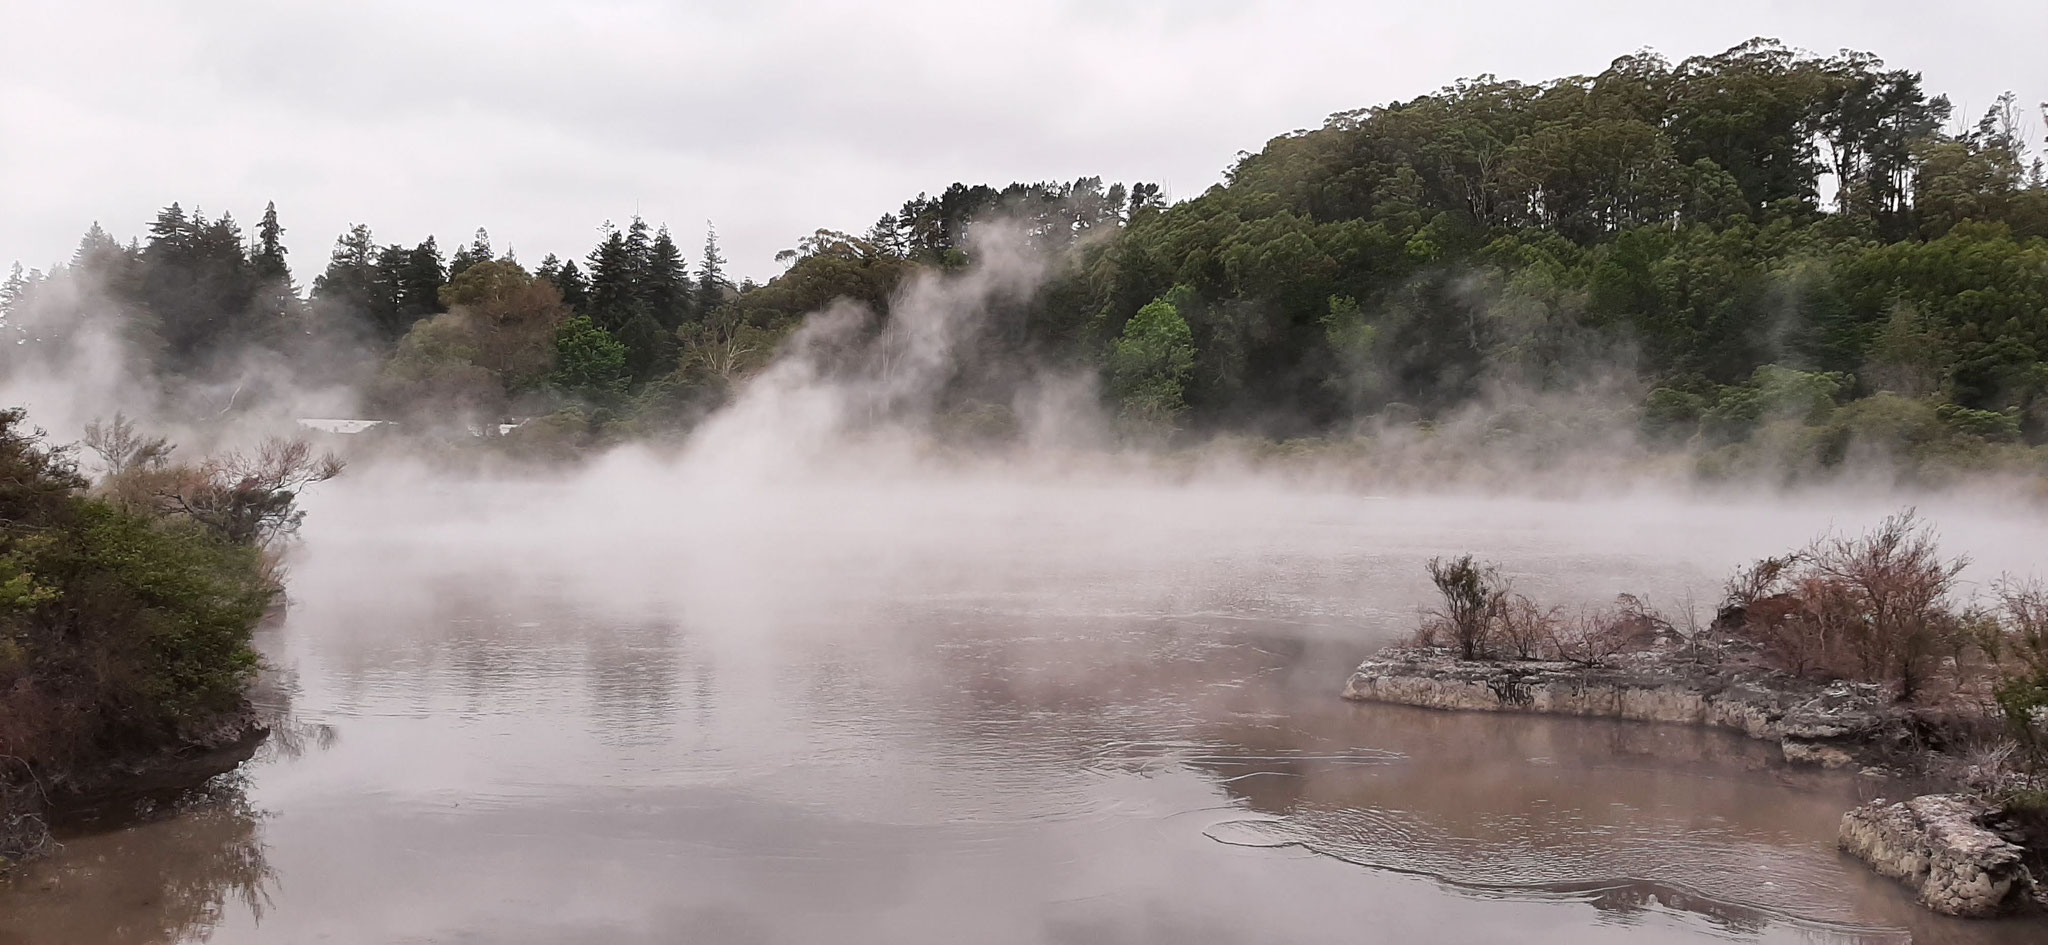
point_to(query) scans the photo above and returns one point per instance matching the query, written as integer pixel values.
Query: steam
(840, 377)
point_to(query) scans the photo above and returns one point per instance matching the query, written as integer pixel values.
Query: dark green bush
(120, 630)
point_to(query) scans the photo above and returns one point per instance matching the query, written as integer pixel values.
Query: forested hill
(1763, 244)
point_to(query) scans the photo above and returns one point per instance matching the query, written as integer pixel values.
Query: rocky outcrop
(1946, 849)
(1835, 725)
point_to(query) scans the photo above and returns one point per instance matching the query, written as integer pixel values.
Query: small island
(1850, 653)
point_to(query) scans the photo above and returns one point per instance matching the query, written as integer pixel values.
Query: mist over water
(815, 676)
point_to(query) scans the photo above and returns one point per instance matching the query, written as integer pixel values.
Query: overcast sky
(542, 120)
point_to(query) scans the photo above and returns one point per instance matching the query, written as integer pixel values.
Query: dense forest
(1759, 253)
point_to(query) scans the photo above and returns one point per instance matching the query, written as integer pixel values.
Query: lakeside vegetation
(127, 605)
(1883, 608)
(1767, 261)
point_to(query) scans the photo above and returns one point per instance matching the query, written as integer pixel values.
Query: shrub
(1473, 597)
(1592, 637)
(2021, 648)
(1523, 629)
(124, 628)
(1874, 608)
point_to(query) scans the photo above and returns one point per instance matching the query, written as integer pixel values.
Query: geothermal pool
(628, 709)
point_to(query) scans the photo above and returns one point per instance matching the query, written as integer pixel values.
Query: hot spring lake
(960, 710)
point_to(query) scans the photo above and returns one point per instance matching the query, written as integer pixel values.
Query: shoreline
(1958, 854)
(1835, 725)
(28, 805)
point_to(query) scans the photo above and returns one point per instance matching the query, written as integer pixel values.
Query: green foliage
(1149, 365)
(1672, 414)
(589, 362)
(119, 629)
(1657, 219)
(1992, 426)
(2023, 699)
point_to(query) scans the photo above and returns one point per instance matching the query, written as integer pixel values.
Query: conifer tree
(268, 259)
(711, 281)
(274, 293)
(478, 251)
(420, 282)
(574, 287)
(667, 283)
(614, 293)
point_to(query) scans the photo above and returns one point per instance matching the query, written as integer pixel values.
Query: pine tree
(638, 246)
(275, 295)
(97, 252)
(614, 291)
(14, 292)
(887, 235)
(478, 251)
(574, 287)
(711, 281)
(667, 283)
(268, 260)
(197, 284)
(420, 282)
(171, 232)
(389, 309)
(346, 289)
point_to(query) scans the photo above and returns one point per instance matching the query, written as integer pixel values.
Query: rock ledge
(1945, 848)
(1835, 725)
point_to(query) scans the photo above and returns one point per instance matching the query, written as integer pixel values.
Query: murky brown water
(961, 713)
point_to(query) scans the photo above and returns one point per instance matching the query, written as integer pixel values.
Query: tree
(198, 286)
(268, 260)
(512, 317)
(418, 282)
(712, 284)
(589, 362)
(667, 283)
(614, 285)
(1149, 365)
(574, 287)
(349, 288)
(1474, 599)
(478, 251)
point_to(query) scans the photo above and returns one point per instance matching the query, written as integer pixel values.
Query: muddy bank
(1835, 725)
(30, 801)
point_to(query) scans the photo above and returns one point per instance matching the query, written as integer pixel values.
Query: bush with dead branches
(246, 498)
(1523, 629)
(1473, 596)
(1594, 636)
(1876, 608)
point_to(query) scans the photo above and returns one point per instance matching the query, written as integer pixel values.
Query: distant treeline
(1768, 246)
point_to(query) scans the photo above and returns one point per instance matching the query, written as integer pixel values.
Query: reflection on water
(172, 877)
(1070, 734)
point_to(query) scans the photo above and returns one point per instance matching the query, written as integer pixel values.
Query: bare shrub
(1760, 580)
(1523, 629)
(122, 448)
(1592, 637)
(2022, 622)
(1432, 632)
(246, 498)
(1473, 595)
(1875, 608)
(251, 499)
(1894, 586)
